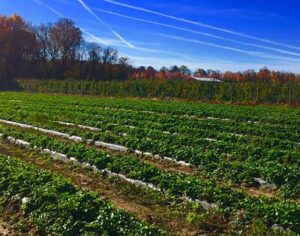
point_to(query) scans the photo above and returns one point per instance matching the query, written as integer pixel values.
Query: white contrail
(96, 38)
(50, 8)
(88, 9)
(165, 25)
(104, 42)
(195, 62)
(252, 53)
(208, 44)
(198, 32)
(201, 24)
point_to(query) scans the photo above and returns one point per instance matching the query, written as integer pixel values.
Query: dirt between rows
(6, 229)
(175, 168)
(121, 194)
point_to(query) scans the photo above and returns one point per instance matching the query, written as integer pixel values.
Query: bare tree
(109, 55)
(65, 39)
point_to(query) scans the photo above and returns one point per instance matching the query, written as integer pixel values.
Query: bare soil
(6, 229)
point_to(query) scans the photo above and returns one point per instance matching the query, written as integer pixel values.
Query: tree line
(58, 51)
(55, 50)
(183, 72)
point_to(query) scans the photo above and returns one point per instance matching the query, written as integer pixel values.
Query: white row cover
(121, 148)
(62, 157)
(114, 147)
(80, 126)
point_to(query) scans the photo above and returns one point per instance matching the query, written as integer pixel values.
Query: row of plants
(169, 122)
(227, 91)
(55, 207)
(229, 202)
(269, 115)
(279, 114)
(121, 124)
(206, 129)
(238, 162)
(256, 158)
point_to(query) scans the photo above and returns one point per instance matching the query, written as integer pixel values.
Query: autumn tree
(18, 47)
(174, 69)
(249, 75)
(200, 72)
(150, 73)
(163, 73)
(122, 69)
(184, 70)
(65, 39)
(94, 52)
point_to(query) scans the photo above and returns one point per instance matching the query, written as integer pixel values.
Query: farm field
(73, 165)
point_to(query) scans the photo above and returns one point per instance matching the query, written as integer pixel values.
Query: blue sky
(217, 34)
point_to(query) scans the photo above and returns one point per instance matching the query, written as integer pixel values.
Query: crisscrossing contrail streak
(199, 32)
(224, 30)
(88, 9)
(61, 15)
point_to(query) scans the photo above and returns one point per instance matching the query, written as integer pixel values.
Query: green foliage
(244, 142)
(55, 207)
(280, 212)
(244, 91)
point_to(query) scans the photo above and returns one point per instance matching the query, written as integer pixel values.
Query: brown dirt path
(6, 229)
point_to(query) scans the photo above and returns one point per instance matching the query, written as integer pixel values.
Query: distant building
(206, 79)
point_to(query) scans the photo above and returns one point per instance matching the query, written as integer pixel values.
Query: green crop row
(267, 130)
(272, 211)
(55, 207)
(228, 157)
(271, 114)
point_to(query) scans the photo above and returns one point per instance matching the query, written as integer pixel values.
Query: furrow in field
(90, 115)
(63, 157)
(189, 132)
(90, 128)
(182, 130)
(65, 208)
(171, 108)
(143, 205)
(181, 116)
(111, 146)
(179, 134)
(116, 147)
(210, 127)
(162, 166)
(234, 125)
